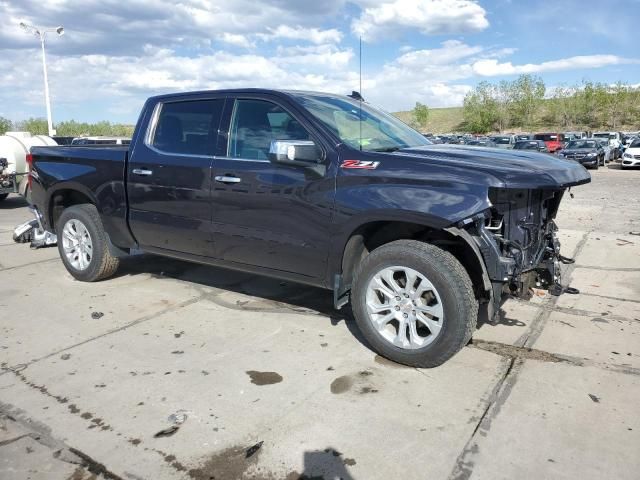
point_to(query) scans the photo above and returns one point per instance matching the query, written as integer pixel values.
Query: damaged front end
(518, 242)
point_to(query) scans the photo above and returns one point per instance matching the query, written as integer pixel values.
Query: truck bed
(98, 172)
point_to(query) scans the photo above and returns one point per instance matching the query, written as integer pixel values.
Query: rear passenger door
(169, 176)
(268, 214)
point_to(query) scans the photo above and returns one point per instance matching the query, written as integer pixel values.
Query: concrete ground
(270, 383)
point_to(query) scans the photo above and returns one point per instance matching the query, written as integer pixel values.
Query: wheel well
(372, 235)
(63, 199)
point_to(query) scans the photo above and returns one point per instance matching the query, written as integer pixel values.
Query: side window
(255, 124)
(188, 127)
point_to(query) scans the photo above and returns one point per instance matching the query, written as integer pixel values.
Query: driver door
(268, 214)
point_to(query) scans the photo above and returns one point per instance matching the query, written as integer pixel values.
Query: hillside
(441, 120)
(449, 120)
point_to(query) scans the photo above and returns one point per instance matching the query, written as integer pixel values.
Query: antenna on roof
(360, 92)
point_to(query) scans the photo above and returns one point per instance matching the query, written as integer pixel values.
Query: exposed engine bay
(518, 241)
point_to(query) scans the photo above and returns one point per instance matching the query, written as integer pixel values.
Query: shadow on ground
(12, 202)
(281, 294)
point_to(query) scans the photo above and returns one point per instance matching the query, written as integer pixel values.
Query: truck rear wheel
(414, 303)
(82, 243)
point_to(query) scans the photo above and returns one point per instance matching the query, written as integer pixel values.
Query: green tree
(420, 114)
(480, 109)
(35, 126)
(527, 95)
(503, 96)
(563, 107)
(5, 125)
(617, 103)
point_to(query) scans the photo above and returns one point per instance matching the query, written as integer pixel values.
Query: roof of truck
(236, 91)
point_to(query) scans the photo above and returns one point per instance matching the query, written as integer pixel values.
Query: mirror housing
(304, 153)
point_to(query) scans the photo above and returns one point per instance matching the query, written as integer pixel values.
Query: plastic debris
(179, 417)
(253, 449)
(167, 432)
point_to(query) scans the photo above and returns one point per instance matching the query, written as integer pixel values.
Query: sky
(116, 53)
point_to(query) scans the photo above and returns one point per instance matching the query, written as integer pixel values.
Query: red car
(553, 141)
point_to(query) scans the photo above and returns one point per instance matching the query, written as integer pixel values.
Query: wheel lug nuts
(405, 315)
(398, 298)
(397, 307)
(413, 312)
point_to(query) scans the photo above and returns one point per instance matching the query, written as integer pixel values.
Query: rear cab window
(187, 127)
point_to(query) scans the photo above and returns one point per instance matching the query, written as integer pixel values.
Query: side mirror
(304, 153)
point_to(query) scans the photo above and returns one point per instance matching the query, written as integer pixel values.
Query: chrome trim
(141, 171)
(151, 128)
(38, 216)
(227, 179)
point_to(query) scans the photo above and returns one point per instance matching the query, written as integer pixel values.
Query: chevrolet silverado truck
(320, 189)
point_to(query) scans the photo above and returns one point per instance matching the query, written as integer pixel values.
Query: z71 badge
(360, 164)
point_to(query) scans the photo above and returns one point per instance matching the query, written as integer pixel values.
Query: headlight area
(518, 242)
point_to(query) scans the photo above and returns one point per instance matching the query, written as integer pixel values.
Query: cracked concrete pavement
(271, 383)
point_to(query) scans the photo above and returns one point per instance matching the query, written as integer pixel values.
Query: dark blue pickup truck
(320, 189)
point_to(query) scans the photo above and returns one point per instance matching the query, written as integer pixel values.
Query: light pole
(41, 33)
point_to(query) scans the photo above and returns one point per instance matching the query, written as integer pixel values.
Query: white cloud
(431, 17)
(491, 67)
(313, 35)
(450, 52)
(236, 39)
(116, 54)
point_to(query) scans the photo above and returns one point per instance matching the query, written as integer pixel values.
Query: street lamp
(41, 33)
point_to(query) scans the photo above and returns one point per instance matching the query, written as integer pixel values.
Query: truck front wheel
(414, 303)
(82, 243)
(3, 196)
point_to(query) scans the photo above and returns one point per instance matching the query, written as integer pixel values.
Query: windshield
(502, 140)
(582, 144)
(378, 131)
(635, 143)
(601, 135)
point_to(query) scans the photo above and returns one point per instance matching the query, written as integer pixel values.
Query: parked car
(588, 152)
(615, 141)
(537, 145)
(521, 137)
(101, 141)
(554, 141)
(606, 146)
(480, 142)
(631, 156)
(296, 185)
(629, 137)
(568, 136)
(504, 141)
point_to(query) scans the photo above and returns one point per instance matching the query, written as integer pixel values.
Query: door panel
(272, 215)
(170, 177)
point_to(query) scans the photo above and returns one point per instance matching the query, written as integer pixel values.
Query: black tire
(3, 196)
(449, 278)
(102, 263)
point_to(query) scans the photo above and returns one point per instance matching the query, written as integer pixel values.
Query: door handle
(142, 172)
(226, 179)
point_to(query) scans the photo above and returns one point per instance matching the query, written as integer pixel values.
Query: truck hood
(512, 168)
